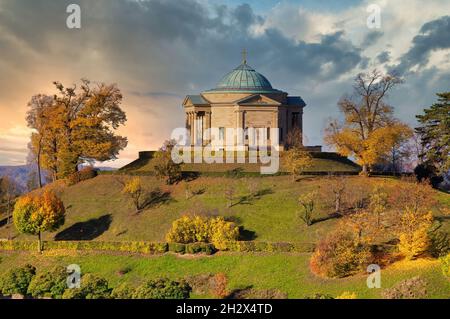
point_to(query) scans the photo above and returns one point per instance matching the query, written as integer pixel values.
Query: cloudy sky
(158, 51)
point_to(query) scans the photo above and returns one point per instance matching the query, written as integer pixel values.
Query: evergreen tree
(434, 132)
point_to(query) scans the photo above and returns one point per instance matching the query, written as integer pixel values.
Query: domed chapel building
(243, 99)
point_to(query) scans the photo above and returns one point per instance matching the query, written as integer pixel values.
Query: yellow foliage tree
(369, 130)
(297, 161)
(133, 188)
(413, 236)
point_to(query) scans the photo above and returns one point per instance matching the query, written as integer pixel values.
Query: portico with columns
(243, 99)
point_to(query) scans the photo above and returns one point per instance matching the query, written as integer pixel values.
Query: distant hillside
(19, 174)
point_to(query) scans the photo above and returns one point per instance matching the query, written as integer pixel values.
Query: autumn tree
(378, 203)
(369, 129)
(400, 154)
(410, 195)
(333, 191)
(297, 160)
(165, 167)
(357, 192)
(414, 229)
(41, 117)
(8, 194)
(76, 126)
(307, 202)
(229, 194)
(294, 138)
(36, 213)
(134, 189)
(434, 131)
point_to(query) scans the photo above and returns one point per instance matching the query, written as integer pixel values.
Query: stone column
(274, 125)
(191, 119)
(240, 123)
(207, 125)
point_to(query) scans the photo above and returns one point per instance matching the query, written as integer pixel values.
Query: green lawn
(97, 210)
(288, 273)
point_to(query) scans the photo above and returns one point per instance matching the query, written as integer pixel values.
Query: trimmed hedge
(144, 247)
(135, 246)
(260, 246)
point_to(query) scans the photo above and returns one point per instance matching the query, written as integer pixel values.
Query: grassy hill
(323, 162)
(97, 210)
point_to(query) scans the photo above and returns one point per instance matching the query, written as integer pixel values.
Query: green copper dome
(244, 79)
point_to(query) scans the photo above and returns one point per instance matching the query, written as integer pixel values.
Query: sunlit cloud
(159, 51)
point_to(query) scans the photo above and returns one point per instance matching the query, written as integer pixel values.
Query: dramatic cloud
(383, 57)
(371, 38)
(433, 35)
(158, 51)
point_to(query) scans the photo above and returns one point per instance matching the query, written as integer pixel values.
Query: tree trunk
(365, 170)
(337, 204)
(39, 242)
(39, 164)
(8, 221)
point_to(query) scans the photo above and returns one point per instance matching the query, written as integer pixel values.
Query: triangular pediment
(257, 99)
(195, 100)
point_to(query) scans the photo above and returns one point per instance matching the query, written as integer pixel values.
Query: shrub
(260, 246)
(445, 265)
(84, 174)
(440, 244)
(196, 248)
(428, 172)
(163, 288)
(347, 295)
(92, 287)
(340, 254)
(122, 291)
(413, 288)
(177, 248)
(49, 283)
(251, 293)
(16, 281)
(202, 229)
(222, 231)
(201, 284)
(219, 288)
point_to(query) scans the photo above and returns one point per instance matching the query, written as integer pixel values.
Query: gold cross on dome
(244, 56)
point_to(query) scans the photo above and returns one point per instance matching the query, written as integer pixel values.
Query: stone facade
(243, 99)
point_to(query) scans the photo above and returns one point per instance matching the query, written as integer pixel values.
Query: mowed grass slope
(97, 210)
(288, 273)
(271, 217)
(321, 162)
